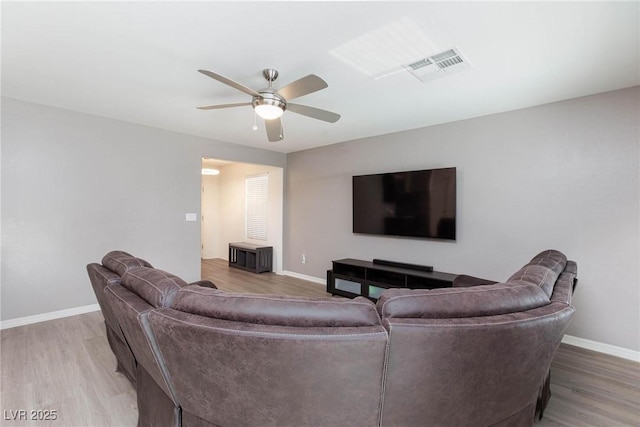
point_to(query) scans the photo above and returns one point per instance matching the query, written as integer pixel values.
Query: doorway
(223, 208)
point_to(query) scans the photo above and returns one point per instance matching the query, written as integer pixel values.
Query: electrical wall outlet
(303, 259)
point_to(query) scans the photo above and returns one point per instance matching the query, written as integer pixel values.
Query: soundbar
(427, 268)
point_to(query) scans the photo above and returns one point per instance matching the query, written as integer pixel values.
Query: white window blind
(256, 212)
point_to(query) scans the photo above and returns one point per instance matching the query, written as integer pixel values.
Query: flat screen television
(412, 204)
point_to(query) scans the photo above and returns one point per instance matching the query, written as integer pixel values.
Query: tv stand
(352, 277)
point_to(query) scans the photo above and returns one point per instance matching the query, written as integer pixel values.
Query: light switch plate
(191, 217)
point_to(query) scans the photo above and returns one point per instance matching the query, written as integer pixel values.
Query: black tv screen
(413, 204)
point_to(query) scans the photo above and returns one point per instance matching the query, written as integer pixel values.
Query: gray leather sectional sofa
(474, 354)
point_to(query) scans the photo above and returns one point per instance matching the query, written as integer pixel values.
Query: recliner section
(258, 360)
(479, 354)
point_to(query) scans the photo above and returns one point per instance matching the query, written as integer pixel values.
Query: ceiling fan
(270, 103)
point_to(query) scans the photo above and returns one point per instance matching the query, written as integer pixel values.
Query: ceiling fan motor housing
(269, 97)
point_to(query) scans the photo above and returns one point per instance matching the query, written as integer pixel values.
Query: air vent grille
(420, 64)
(450, 62)
(438, 65)
(444, 55)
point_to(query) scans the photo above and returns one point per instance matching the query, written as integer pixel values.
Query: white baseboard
(36, 318)
(609, 349)
(305, 277)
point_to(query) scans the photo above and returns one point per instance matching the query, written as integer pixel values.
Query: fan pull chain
(255, 123)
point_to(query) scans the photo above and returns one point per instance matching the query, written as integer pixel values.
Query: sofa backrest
(483, 370)
(563, 289)
(445, 303)
(100, 278)
(543, 270)
(114, 265)
(276, 309)
(258, 360)
(120, 262)
(552, 259)
(155, 286)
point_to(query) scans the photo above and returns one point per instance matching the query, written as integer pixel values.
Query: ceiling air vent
(439, 65)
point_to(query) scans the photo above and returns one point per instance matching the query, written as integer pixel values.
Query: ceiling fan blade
(229, 82)
(274, 130)
(303, 86)
(314, 113)
(217, 107)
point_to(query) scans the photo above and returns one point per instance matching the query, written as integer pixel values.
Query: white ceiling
(137, 61)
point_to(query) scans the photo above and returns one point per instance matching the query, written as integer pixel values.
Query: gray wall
(75, 186)
(562, 175)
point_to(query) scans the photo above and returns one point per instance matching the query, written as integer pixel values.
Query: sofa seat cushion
(276, 309)
(155, 286)
(121, 262)
(446, 303)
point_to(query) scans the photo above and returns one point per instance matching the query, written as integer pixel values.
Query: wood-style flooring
(66, 366)
(237, 280)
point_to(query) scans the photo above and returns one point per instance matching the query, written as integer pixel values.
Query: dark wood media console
(352, 277)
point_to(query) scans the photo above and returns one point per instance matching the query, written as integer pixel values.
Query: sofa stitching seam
(157, 357)
(138, 260)
(506, 322)
(139, 314)
(384, 373)
(457, 291)
(274, 334)
(226, 295)
(127, 302)
(104, 276)
(154, 286)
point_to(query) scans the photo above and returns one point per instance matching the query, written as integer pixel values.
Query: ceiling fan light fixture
(210, 171)
(269, 105)
(268, 112)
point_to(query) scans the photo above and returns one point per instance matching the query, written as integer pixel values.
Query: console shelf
(352, 277)
(254, 258)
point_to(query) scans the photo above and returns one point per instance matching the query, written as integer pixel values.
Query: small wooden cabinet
(351, 278)
(254, 258)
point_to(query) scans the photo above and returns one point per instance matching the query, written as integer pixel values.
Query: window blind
(256, 209)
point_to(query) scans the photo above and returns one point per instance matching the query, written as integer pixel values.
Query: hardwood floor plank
(236, 280)
(593, 389)
(66, 365)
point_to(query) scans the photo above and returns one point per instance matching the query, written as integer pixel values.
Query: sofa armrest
(205, 283)
(464, 281)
